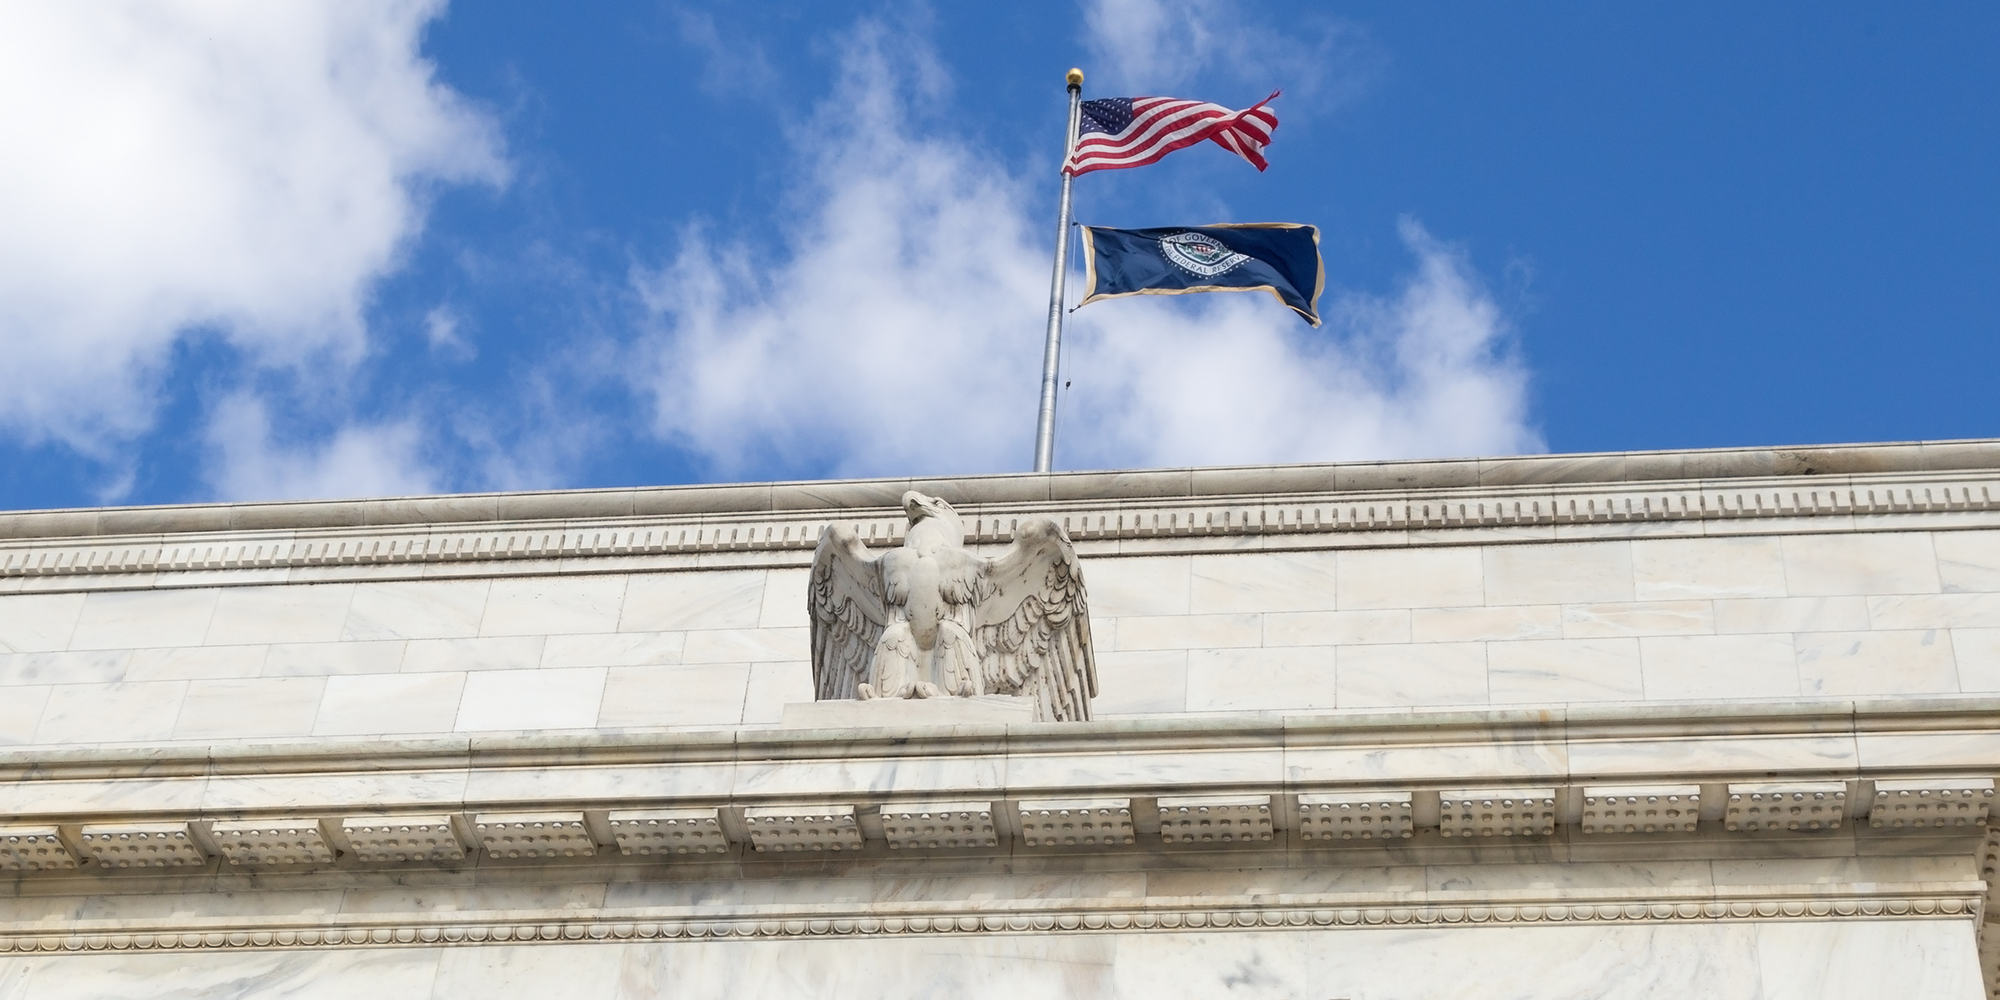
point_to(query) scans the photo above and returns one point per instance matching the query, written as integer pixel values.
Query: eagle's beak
(913, 505)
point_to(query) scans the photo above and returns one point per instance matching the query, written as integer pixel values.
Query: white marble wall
(1846, 960)
(1682, 619)
(409, 658)
(1670, 619)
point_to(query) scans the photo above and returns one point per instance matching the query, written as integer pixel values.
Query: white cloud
(902, 333)
(1147, 44)
(172, 168)
(441, 329)
(1239, 380)
(874, 345)
(1164, 46)
(358, 460)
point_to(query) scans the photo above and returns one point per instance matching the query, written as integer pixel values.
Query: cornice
(1602, 468)
(1844, 755)
(1640, 905)
(1288, 515)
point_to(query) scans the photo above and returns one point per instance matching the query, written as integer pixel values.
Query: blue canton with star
(1109, 115)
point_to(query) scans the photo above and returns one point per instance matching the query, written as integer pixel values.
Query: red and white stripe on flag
(1161, 125)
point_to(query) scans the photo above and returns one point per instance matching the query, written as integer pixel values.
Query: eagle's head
(932, 522)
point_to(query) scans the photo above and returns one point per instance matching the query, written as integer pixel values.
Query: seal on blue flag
(1199, 255)
(1281, 258)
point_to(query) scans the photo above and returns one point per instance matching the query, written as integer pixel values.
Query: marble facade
(1710, 723)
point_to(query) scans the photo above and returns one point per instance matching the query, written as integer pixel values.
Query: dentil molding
(1924, 901)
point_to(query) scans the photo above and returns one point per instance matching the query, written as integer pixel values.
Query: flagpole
(1045, 417)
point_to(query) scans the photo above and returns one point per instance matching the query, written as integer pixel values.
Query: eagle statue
(931, 619)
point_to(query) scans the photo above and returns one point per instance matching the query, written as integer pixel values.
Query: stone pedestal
(908, 713)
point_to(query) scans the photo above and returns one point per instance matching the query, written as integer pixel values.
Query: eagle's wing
(848, 612)
(1034, 627)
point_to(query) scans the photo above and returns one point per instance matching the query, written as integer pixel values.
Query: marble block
(908, 713)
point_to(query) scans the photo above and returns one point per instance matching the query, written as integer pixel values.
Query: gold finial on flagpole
(1075, 77)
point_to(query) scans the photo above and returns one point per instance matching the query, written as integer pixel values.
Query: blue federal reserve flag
(1279, 257)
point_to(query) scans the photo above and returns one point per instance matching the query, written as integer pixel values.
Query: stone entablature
(1558, 726)
(784, 831)
(1742, 769)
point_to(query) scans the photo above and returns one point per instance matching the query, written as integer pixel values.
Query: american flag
(1118, 132)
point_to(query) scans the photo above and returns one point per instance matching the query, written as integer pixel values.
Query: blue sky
(365, 248)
